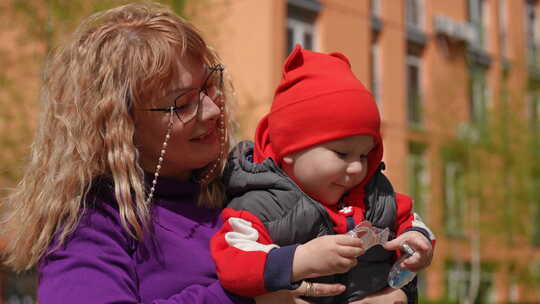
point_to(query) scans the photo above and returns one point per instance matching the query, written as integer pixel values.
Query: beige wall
(337, 21)
(392, 48)
(250, 37)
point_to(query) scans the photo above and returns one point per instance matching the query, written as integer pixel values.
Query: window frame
(418, 176)
(477, 18)
(479, 99)
(503, 26)
(418, 7)
(375, 8)
(533, 109)
(415, 117)
(375, 73)
(457, 274)
(454, 198)
(532, 33)
(300, 27)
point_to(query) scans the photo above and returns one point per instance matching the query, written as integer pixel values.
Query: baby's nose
(355, 167)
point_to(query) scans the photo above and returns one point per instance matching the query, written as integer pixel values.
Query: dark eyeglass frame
(203, 89)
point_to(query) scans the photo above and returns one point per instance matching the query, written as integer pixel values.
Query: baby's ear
(294, 61)
(288, 159)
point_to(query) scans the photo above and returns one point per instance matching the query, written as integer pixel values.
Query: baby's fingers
(413, 263)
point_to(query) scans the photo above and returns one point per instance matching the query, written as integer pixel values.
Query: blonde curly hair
(112, 63)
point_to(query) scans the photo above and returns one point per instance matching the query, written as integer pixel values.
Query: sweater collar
(168, 187)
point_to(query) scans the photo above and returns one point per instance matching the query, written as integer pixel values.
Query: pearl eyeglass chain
(161, 157)
(222, 136)
(210, 171)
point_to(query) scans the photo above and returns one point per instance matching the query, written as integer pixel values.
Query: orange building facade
(433, 66)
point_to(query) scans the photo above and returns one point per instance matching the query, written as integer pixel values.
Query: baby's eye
(340, 154)
(364, 157)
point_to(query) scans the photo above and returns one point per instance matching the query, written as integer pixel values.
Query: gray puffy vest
(292, 217)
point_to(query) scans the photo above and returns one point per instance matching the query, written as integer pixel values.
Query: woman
(122, 191)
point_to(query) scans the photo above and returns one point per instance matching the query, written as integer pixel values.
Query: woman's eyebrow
(179, 91)
(173, 94)
(169, 99)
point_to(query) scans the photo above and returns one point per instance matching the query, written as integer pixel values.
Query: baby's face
(328, 170)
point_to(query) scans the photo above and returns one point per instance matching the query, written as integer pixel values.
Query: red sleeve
(407, 220)
(247, 262)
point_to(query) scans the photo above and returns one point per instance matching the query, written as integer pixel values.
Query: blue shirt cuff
(278, 268)
(421, 230)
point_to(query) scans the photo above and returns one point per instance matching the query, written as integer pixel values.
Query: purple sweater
(100, 263)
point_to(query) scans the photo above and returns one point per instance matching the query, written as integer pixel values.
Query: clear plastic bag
(369, 235)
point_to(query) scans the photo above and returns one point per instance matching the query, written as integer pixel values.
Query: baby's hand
(424, 250)
(326, 255)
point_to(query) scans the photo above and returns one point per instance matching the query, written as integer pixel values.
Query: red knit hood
(318, 99)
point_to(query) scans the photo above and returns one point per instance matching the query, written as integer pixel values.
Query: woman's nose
(209, 110)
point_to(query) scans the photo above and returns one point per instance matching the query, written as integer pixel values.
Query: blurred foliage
(495, 151)
(30, 30)
(47, 21)
(500, 156)
(498, 170)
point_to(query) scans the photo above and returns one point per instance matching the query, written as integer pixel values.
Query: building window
(414, 11)
(414, 91)
(534, 110)
(418, 178)
(477, 20)
(454, 198)
(513, 288)
(534, 272)
(479, 95)
(458, 281)
(375, 10)
(20, 288)
(301, 29)
(375, 7)
(503, 25)
(532, 33)
(375, 70)
(533, 101)
(535, 223)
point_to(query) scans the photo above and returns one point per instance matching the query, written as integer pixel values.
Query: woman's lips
(206, 136)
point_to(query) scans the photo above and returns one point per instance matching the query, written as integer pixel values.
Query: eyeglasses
(188, 102)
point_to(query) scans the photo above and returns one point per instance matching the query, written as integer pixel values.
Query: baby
(314, 172)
